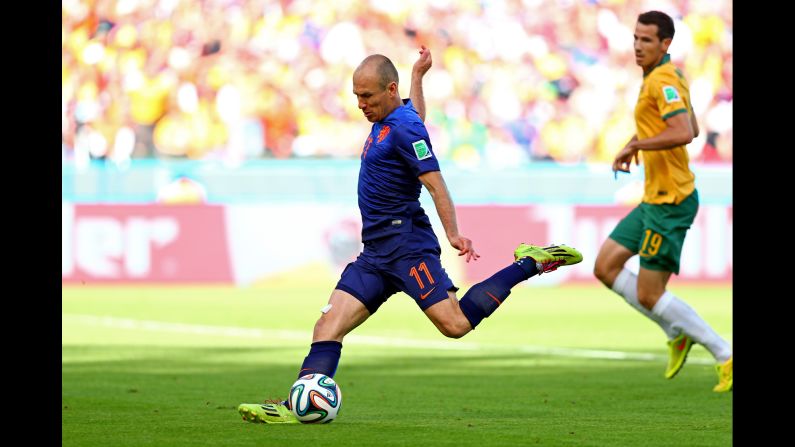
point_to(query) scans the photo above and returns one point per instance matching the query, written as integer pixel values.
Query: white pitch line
(370, 340)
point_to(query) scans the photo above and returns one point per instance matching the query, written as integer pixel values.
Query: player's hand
(624, 158)
(424, 62)
(464, 247)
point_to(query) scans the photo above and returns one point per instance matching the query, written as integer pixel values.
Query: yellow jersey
(664, 93)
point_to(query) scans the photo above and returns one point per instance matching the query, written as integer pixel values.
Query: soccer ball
(315, 399)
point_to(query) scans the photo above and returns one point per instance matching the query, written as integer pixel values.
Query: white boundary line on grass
(283, 334)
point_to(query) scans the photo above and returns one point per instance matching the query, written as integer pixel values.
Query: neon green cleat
(725, 376)
(269, 413)
(678, 348)
(548, 258)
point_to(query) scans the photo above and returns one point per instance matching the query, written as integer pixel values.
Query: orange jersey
(664, 93)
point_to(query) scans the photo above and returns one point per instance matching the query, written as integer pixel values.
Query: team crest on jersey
(421, 150)
(384, 132)
(671, 94)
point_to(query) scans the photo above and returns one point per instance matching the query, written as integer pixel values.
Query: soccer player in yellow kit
(655, 230)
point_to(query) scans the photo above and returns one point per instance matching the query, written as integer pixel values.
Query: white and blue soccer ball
(315, 399)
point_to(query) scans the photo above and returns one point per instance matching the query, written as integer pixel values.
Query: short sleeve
(667, 91)
(414, 147)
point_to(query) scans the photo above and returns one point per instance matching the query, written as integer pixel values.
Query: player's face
(649, 49)
(373, 100)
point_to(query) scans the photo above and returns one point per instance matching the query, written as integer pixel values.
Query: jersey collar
(665, 59)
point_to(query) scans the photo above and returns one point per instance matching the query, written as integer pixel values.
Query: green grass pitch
(554, 366)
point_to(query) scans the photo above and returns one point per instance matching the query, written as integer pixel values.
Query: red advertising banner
(144, 243)
(244, 244)
(497, 230)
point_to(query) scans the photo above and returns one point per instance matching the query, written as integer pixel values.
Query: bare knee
(447, 316)
(606, 272)
(323, 330)
(342, 314)
(327, 328)
(648, 296)
(610, 260)
(603, 274)
(454, 328)
(651, 286)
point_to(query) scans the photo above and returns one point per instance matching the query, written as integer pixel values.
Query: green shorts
(657, 232)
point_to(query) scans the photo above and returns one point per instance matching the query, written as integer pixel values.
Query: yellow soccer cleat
(678, 348)
(548, 258)
(268, 413)
(725, 376)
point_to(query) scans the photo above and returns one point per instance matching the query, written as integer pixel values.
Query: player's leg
(422, 277)
(447, 316)
(650, 286)
(358, 294)
(415, 267)
(613, 255)
(664, 229)
(456, 318)
(610, 263)
(668, 307)
(341, 315)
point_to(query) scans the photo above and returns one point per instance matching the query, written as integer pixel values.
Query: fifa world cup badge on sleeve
(671, 94)
(421, 150)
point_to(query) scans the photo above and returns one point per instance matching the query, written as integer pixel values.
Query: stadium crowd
(513, 81)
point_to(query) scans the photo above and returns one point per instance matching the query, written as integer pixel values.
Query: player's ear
(667, 43)
(392, 88)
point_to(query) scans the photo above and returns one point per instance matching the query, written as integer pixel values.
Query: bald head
(381, 66)
(375, 84)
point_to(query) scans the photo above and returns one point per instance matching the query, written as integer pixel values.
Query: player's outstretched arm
(421, 67)
(437, 187)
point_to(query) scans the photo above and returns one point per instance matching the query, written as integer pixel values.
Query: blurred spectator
(181, 191)
(513, 81)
